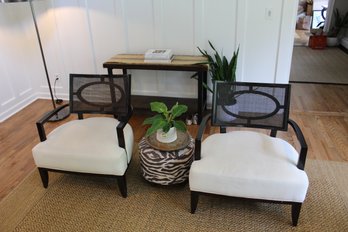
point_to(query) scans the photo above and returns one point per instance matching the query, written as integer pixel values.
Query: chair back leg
(295, 212)
(194, 201)
(44, 176)
(122, 185)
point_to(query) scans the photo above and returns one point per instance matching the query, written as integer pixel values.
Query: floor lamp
(63, 113)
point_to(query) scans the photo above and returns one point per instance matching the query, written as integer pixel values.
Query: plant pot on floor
(226, 95)
(168, 137)
(332, 41)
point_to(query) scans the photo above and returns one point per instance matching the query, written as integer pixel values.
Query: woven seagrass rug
(82, 203)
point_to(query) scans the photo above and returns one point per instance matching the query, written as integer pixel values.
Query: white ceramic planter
(168, 137)
(332, 41)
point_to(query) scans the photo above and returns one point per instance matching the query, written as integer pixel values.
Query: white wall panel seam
(125, 25)
(91, 40)
(242, 16)
(9, 84)
(279, 41)
(193, 27)
(8, 101)
(199, 35)
(288, 24)
(157, 22)
(24, 92)
(58, 36)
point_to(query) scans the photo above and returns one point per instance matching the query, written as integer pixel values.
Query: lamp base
(63, 114)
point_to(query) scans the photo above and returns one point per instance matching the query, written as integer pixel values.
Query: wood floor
(320, 110)
(319, 65)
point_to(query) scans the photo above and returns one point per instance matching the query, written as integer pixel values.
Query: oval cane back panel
(251, 105)
(99, 94)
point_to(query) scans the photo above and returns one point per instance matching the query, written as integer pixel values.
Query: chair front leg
(194, 201)
(44, 176)
(295, 212)
(122, 185)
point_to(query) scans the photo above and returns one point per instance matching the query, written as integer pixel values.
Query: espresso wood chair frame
(248, 121)
(123, 120)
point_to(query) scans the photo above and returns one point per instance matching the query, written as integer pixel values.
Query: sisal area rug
(319, 66)
(81, 203)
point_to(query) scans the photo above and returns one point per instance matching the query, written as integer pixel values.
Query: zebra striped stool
(165, 167)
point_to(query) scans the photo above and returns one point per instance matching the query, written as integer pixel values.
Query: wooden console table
(179, 63)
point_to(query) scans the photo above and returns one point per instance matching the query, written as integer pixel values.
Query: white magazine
(159, 54)
(157, 61)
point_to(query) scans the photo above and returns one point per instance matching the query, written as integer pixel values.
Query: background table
(165, 167)
(179, 63)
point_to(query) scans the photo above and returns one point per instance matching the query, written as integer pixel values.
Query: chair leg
(194, 201)
(122, 185)
(295, 212)
(44, 176)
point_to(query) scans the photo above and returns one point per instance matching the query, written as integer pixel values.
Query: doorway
(324, 66)
(312, 15)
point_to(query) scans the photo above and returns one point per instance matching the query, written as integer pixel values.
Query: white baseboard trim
(27, 101)
(17, 107)
(42, 95)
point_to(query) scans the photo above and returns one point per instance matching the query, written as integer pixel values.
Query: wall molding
(104, 28)
(7, 113)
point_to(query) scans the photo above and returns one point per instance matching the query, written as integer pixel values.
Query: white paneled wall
(79, 35)
(19, 58)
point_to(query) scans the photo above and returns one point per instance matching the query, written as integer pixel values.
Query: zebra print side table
(165, 167)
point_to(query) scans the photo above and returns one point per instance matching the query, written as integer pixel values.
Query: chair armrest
(120, 133)
(119, 129)
(304, 148)
(44, 119)
(198, 140)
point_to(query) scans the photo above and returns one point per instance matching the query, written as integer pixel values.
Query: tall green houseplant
(220, 68)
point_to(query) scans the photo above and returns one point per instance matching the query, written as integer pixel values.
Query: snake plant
(220, 68)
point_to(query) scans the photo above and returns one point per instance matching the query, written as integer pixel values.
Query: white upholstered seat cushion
(250, 165)
(89, 146)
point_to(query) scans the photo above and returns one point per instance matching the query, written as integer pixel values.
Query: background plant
(340, 22)
(220, 68)
(165, 119)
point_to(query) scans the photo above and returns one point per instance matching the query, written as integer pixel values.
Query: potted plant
(164, 123)
(335, 32)
(221, 69)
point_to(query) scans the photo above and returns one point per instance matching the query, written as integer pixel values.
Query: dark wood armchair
(95, 145)
(250, 164)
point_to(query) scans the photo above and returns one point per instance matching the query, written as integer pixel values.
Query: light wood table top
(136, 61)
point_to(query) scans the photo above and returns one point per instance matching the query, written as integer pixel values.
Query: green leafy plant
(165, 119)
(220, 68)
(340, 22)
